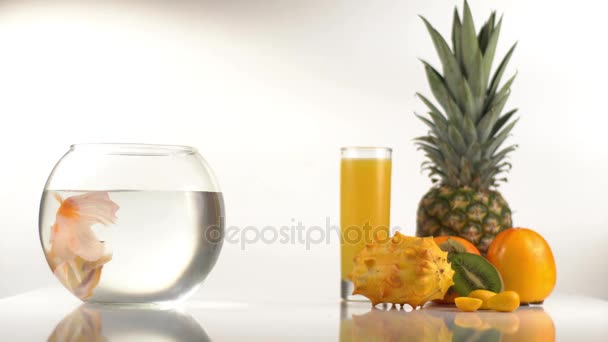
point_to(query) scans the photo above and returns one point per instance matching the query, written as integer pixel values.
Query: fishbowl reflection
(96, 323)
(439, 323)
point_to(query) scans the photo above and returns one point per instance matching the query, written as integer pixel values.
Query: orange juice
(365, 201)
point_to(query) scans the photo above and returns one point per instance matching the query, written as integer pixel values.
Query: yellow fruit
(525, 262)
(505, 301)
(468, 304)
(484, 295)
(402, 270)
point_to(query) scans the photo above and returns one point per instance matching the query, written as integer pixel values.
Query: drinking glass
(365, 200)
(131, 223)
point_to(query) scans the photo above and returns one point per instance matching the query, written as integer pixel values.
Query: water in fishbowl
(131, 246)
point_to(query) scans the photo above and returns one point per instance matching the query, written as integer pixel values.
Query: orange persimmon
(526, 263)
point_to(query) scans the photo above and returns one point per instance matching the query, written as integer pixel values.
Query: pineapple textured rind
(402, 270)
(477, 216)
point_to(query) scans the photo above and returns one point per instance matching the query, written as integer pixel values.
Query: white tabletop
(52, 313)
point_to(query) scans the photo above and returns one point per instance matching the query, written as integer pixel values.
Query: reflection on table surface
(50, 314)
(98, 323)
(444, 323)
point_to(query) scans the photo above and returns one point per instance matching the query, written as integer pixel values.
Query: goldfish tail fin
(94, 207)
(58, 197)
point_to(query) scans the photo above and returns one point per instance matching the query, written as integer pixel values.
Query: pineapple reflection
(437, 323)
(93, 323)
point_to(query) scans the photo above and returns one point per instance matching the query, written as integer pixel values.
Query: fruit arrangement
(413, 270)
(475, 260)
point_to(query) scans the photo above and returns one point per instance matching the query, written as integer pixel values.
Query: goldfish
(76, 255)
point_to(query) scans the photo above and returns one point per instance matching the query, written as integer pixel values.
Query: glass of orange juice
(365, 202)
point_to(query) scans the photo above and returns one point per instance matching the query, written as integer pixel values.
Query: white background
(268, 91)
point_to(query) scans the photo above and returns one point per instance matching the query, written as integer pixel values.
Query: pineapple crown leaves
(464, 143)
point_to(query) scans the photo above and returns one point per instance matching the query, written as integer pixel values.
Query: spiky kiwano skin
(403, 270)
(467, 130)
(477, 216)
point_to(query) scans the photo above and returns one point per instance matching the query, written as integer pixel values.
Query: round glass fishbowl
(131, 223)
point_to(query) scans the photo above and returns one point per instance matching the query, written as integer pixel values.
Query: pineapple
(467, 132)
